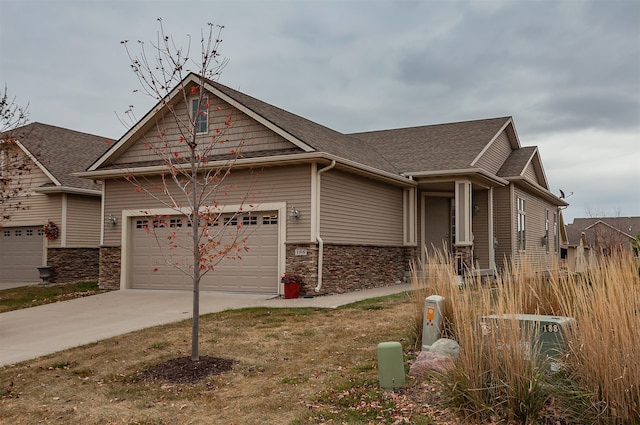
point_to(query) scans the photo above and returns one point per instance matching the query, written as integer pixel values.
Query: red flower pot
(291, 290)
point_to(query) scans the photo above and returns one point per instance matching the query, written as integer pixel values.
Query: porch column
(464, 235)
(491, 235)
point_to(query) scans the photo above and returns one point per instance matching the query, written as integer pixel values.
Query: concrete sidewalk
(38, 331)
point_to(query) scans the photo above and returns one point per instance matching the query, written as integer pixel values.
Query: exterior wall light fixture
(293, 214)
(112, 221)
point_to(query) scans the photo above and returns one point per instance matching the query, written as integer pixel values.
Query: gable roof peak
(304, 133)
(60, 152)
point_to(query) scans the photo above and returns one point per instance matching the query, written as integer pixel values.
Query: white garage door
(20, 254)
(256, 271)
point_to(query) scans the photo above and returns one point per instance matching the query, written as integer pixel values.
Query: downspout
(318, 237)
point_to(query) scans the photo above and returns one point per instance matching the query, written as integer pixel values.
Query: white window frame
(555, 232)
(546, 230)
(521, 234)
(199, 111)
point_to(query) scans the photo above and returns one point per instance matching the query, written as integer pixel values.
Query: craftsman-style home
(347, 211)
(49, 216)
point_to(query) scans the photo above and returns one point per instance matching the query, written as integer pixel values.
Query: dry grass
(599, 383)
(295, 366)
(604, 360)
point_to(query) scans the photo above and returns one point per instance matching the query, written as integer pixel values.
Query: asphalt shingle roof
(437, 147)
(516, 162)
(321, 138)
(628, 225)
(62, 151)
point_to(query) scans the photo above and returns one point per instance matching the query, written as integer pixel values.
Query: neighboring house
(50, 193)
(591, 238)
(367, 203)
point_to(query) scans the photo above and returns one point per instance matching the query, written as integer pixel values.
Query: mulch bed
(183, 370)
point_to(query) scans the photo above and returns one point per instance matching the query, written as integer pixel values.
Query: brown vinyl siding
(290, 184)
(356, 210)
(496, 154)
(36, 207)
(244, 129)
(530, 173)
(535, 251)
(503, 223)
(83, 221)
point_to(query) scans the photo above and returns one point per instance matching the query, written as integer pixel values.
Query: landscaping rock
(446, 347)
(428, 362)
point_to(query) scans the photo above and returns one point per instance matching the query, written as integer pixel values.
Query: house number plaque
(300, 251)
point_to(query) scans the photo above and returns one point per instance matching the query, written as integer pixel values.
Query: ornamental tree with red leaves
(192, 166)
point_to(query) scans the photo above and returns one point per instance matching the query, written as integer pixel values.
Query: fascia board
(38, 164)
(263, 161)
(538, 163)
(192, 78)
(250, 112)
(493, 139)
(67, 189)
(461, 172)
(540, 190)
(142, 123)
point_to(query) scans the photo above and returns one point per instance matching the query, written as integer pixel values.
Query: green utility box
(545, 334)
(390, 365)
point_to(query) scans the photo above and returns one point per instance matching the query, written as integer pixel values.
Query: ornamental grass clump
(501, 374)
(436, 275)
(604, 356)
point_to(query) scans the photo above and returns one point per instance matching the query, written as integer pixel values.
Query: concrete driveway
(33, 332)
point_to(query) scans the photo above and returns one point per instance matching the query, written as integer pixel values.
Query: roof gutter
(460, 172)
(318, 237)
(540, 190)
(261, 161)
(67, 189)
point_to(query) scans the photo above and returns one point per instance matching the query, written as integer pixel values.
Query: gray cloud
(568, 71)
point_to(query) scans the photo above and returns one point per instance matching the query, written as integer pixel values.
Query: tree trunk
(195, 217)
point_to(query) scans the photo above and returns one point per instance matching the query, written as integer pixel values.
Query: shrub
(493, 377)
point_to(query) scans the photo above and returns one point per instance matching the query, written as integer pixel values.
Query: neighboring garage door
(257, 271)
(20, 254)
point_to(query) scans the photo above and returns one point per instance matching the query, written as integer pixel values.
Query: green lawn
(31, 296)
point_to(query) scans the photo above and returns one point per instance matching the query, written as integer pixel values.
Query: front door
(437, 223)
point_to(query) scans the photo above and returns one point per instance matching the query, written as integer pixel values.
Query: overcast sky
(567, 71)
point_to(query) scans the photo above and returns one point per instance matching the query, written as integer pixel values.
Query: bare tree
(194, 166)
(14, 164)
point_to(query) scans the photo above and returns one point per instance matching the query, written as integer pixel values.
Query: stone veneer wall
(305, 265)
(349, 267)
(71, 265)
(109, 277)
(465, 256)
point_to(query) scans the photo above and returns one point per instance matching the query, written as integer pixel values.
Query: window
(270, 219)
(159, 223)
(200, 114)
(546, 230)
(233, 221)
(522, 234)
(555, 232)
(7, 233)
(29, 232)
(251, 220)
(17, 232)
(175, 222)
